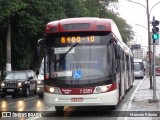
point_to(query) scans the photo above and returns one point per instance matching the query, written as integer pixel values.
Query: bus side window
(117, 51)
(108, 53)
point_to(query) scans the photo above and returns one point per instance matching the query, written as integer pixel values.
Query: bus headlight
(101, 89)
(2, 84)
(53, 90)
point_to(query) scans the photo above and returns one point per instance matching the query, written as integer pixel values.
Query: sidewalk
(140, 101)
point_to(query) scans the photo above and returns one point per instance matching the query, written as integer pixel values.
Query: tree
(29, 17)
(98, 8)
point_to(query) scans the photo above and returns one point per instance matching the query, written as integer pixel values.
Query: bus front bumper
(108, 98)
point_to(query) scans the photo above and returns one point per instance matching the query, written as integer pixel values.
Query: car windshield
(15, 76)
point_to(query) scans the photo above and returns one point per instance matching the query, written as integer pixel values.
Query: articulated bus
(86, 63)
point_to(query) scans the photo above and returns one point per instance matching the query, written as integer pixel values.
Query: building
(139, 53)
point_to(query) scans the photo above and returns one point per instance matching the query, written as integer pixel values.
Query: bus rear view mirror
(117, 51)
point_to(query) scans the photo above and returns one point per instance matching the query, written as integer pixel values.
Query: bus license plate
(77, 99)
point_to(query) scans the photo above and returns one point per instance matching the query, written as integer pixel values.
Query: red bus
(157, 70)
(86, 63)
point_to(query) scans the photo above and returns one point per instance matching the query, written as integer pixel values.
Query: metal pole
(149, 45)
(154, 75)
(8, 48)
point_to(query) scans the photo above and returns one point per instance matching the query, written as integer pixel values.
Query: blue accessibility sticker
(77, 74)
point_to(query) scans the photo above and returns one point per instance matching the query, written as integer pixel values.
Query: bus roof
(79, 24)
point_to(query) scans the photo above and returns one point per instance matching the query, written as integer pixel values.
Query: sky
(136, 14)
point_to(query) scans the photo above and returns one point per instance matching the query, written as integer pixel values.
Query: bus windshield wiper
(67, 52)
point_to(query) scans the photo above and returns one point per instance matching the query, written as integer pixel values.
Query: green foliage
(29, 17)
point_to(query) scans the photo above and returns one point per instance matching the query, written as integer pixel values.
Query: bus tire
(59, 108)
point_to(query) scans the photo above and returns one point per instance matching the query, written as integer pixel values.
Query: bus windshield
(81, 61)
(138, 66)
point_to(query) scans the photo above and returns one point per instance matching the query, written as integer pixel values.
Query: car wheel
(27, 92)
(2, 96)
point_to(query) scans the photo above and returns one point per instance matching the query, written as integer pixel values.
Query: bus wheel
(59, 108)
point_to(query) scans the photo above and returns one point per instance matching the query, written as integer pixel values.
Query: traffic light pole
(154, 75)
(155, 37)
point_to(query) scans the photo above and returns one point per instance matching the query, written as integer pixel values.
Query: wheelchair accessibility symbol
(77, 74)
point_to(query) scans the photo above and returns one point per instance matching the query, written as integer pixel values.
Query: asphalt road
(33, 103)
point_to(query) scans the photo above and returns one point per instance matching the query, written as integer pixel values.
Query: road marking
(130, 101)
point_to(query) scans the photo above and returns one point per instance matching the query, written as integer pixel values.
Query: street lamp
(142, 26)
(153, 7)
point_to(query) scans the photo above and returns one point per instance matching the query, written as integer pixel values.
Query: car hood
(13, 81)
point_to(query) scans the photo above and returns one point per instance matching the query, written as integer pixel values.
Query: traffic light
(155, 30)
